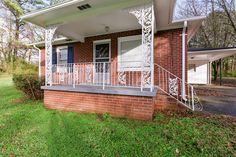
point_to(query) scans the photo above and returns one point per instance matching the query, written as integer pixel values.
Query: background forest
(218, 30)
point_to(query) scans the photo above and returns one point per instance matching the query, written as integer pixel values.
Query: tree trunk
(17, 34)
(228, 15)
(215, 70)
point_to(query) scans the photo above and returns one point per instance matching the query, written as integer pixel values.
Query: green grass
(28, 129)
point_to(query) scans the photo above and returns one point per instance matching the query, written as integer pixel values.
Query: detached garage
(199, 63)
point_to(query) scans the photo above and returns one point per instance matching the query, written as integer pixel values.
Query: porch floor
(99, 90)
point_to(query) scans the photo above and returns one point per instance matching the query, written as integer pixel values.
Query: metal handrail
(112, 73)
(171, 85)
(124, 74)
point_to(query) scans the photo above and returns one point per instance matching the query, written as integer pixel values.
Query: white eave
(193, 23)
(164, 12)
(210, 55)
(68, 12)
(49, 9)
(58, 41)
(77, 25)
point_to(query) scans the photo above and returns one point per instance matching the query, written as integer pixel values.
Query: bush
(22, 67)
(25, 78)
(18, 66)
(30, 84)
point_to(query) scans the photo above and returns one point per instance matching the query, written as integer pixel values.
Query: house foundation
(136, 107)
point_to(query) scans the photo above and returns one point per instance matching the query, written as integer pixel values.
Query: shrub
(22, 67)
(30, 84)
(25, 78)
(18, 66)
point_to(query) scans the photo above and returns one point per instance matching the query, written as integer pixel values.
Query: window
(130, 53)
(62, 55)
(62, 59)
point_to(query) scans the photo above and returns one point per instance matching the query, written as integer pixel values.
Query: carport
(200, 60)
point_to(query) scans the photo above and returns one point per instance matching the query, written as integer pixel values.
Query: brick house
(126, 58)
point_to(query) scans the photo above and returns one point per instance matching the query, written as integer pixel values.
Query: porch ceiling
(117, 21)
(77, 24)
(68, 12)
(210, 55)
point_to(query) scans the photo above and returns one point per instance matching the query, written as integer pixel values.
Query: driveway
(221, 100)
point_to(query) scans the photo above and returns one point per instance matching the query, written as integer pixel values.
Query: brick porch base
(165, 102)
(135, 107)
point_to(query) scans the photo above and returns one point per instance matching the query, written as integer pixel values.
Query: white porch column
(49, 33)
(146, 19)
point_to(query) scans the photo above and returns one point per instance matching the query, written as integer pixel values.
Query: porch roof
(77, 24)
(193, 25)
(57, 41)
(210, 54)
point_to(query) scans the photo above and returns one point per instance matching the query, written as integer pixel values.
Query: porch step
(171, 85)
(165, 102)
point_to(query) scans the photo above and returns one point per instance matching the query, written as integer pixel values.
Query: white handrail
(172, 85)
(124, 74)
(116, 74)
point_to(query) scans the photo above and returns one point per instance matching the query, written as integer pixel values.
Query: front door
(102, 62)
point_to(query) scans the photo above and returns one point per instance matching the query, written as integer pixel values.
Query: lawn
(28, 129)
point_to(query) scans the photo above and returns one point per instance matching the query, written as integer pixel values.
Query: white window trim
(127, 38)
(106, 41)
(60, 68)
(58, 51)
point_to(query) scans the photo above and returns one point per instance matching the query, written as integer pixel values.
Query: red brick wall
(168, 49)
(164, 102)
(168, 53)
(120, 106)
(84, 51)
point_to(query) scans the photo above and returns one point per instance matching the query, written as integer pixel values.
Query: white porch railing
(172, 86)
(125, 74)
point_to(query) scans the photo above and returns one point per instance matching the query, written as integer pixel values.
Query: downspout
(39, 59)
(152, 49)
(183, 92)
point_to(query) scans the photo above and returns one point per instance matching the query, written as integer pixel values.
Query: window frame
(58, 54)
(97, 42)
(124, 39)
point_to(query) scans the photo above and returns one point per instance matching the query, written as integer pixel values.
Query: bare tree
(218, 29)
(229, 8)
(14, 33)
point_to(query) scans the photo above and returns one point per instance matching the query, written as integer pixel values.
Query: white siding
(199, 75)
